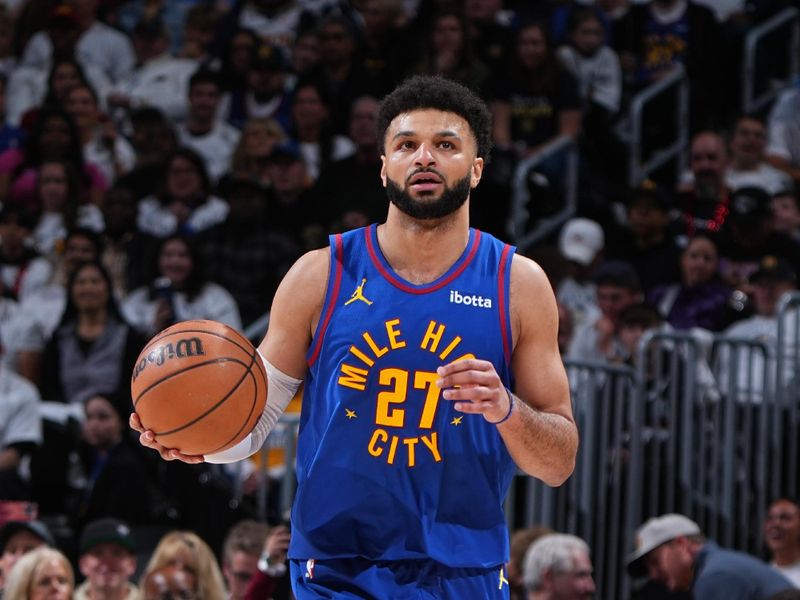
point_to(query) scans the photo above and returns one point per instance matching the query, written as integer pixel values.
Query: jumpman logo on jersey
(359, 294)
(502, 579)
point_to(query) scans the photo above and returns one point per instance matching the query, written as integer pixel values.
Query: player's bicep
(295, 312)
(540, 378)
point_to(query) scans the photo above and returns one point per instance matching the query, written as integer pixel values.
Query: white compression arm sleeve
(281, 388)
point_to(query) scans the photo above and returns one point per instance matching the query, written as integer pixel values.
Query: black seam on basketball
(184, 369)
(252, 404)
(249, 414)
(215, 406)
(152, 342)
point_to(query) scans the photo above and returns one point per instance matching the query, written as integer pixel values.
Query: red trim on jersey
(338, 259)
(501, 300)
(402, 285)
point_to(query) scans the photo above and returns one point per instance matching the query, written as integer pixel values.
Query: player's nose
(424, 156)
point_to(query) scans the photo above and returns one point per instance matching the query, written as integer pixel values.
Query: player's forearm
(542, 444)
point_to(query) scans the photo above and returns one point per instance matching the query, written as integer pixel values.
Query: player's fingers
(135, 423)
(468, 378)
(466, 364)
(471, 394)
(473, 408)
(146, 438)
(187, 458)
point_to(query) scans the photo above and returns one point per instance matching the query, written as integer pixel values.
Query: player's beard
(449, 202)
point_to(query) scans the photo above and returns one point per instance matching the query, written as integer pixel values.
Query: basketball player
(409, 335)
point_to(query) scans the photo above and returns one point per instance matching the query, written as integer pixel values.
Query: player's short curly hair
(424, 91)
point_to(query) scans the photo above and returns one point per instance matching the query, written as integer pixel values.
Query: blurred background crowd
(169, 160)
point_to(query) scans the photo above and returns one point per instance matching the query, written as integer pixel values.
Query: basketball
(199, 386)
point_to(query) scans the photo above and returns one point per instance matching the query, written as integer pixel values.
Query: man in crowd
(617, 288)
(782, 537)
(558, 567)
(702, 204)
(748, 166)
(107, 560)
(672, 550)
(203, 132)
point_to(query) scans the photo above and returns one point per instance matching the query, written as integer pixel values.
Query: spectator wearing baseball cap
(773, 278)
(107, 560)
(750, 234)
(18, 538)
(672, 550)
(580, 243)
(266, 92)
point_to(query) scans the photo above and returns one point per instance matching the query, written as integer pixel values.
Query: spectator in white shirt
(102, 145)
(60, 208)
(20, 430)
(748, 166)
(31, 89)
(185, 203)
(158, 79)
(783, 148)
(595, 65)
(96, 44)
(742, 373)
(212, 138)
(581, 243)
(179, 292)
(782, 537)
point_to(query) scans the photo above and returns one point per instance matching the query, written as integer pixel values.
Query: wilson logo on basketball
(161, 354)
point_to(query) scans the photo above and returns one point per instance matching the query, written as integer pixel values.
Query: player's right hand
(148, 439)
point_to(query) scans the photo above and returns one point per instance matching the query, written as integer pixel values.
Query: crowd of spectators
(162, 161)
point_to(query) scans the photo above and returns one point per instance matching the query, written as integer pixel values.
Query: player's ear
(383, 170)
(476, 172)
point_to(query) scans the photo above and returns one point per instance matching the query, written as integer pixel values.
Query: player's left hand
(148, 439)
(480, 389)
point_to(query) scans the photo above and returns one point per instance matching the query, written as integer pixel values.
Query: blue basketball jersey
(386, 468)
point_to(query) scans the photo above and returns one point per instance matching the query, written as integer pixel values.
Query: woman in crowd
(448, 52)
(54, 137)
(701, 299)
(185, 551)
(41, 574)
(311, 128)
(102, 145)
(185, 203)
(60, 207)
(93, 349)
(179, 292)
(537, 100)
(251, 157)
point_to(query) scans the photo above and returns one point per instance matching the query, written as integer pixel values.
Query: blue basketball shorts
(360, 579)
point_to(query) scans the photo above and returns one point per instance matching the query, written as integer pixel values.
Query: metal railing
(702, 425)
(710, 432)
(640, 168)
(753, 101)
(524, 233)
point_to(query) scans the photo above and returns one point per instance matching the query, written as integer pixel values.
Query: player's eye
(407, 145)
(446, 145)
